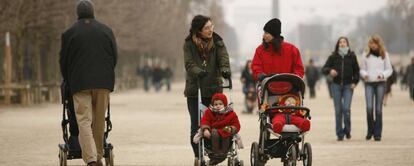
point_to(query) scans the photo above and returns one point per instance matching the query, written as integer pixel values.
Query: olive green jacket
(218, 61)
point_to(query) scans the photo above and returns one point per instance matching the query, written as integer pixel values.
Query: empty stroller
(290, 145)
(71, 148)
(205, 146)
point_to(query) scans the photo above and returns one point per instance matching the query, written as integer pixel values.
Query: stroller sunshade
(280, 87)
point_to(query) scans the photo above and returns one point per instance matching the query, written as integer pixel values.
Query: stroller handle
(288, 107)
(230, 86)
(292, 108)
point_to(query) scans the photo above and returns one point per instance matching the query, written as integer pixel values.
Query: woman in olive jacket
(206, 60)
(342, 66)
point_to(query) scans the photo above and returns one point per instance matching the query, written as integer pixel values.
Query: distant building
(314, 41)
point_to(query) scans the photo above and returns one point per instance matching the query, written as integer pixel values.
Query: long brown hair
(376, 39)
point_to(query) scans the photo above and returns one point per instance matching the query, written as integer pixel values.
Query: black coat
(248, 77)
(312, 74)
(88, 56)
(347, 68)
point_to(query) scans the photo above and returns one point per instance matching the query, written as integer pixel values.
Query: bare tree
(143, 28)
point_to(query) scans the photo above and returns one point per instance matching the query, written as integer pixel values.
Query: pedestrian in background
(146, 73)
(375, 69)
(388, 85)
(342, 66)
(410, 78)
(312, 76)
(157, 77)
(168, 76)
(249, 87)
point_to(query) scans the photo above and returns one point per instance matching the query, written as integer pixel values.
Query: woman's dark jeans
(342, 97)
(374, 95)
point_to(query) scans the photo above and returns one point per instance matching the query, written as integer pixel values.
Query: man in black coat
(87, 61)
(410, 78)
(312, 76)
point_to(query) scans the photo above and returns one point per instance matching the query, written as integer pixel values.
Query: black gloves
(202, 74)
(261, 77)
(226, 74)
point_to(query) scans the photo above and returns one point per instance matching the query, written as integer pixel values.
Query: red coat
(270, 62)
(218, 121)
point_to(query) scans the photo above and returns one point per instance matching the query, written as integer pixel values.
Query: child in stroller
(282, 116)
(218, 125)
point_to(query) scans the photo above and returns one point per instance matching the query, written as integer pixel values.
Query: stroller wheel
(307, 154)
(254, 155)
(240, 163)
(109, 161)
(291, 157)
(232, 161)
(63, 157)
(201, 163)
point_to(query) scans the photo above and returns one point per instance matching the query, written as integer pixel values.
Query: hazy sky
(249, 16)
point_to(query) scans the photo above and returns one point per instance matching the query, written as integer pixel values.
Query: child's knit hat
(219, 96)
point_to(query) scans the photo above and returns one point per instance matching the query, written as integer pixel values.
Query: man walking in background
(312, 76)
(410, 78)
(87, 61)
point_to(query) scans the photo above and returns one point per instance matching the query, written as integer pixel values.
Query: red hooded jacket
(270, 62)
(213, 120)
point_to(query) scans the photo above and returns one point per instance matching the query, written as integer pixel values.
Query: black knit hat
(84, 9)
(273, 27)
(198, 23)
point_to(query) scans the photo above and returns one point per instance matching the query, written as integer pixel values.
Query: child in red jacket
(296, 118)
(219, 124)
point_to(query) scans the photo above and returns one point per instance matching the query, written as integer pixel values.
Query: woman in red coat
(218, 124)
(276, 56)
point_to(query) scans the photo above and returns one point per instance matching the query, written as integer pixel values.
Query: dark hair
(337, 43)
(311, 60)
(276, 43)
(198, 23)
(247, 66)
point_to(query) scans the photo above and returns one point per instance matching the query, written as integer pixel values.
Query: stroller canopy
(296, 82)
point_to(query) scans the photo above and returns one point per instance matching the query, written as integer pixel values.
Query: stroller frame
(290, 145)
(232, 154)
(65, 150)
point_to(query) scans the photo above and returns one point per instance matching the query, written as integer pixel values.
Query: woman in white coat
(375, 69)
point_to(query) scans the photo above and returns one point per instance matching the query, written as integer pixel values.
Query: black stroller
(290, 145)
(71, 148)
(204, 147)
